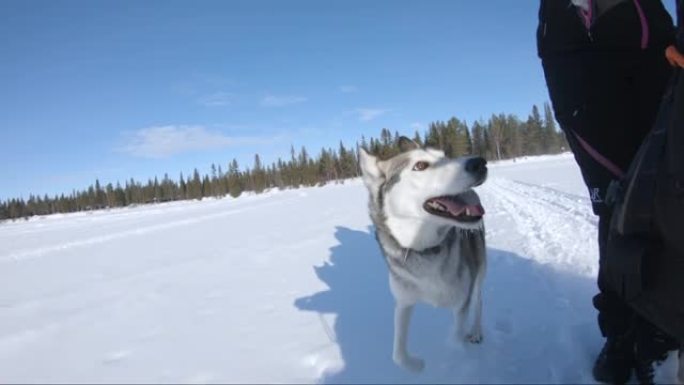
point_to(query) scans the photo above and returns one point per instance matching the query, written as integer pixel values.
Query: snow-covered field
(290, 287)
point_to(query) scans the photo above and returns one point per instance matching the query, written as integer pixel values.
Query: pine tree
(457, 139)
(182, 188)
(385, 138)
(234, 183)
(119, 196)
(496, 135)
(433, 137)
(221, 186)
(195, 186)
(513, 137)
(98, 196)
(534, 136)
(109, 195)
(364, 144)
(550, 133)
(468, 140)
(478, 140)
(258, 175)
(206, 186)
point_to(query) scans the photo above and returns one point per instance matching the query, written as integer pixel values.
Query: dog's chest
(442, 279)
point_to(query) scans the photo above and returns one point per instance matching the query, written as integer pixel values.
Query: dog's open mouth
(454, 207)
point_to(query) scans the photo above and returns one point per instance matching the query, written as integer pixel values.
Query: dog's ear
(371, 171)
(406, 144)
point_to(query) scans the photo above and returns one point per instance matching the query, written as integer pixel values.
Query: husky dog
(428, 222)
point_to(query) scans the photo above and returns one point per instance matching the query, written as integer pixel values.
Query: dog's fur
(431, 258)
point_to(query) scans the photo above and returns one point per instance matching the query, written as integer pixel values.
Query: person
(606, 64)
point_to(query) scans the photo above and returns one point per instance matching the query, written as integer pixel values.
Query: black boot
(643, 370)
(615, 362)
(652, 347)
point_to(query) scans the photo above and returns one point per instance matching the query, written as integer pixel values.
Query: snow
(290, 287)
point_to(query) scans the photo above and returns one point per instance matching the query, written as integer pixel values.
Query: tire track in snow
(579, 205)
(553, 227)
(557, 231)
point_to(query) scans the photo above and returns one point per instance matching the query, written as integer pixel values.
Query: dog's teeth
(468, 211)
(435, 205)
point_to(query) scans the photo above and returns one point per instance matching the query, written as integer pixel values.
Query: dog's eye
(420, 166)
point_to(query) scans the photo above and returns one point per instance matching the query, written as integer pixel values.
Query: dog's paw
(474, 338)
(410, 363)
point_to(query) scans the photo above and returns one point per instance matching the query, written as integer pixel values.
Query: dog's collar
(429, 250)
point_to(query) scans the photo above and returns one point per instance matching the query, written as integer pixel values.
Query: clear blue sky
(119, 89)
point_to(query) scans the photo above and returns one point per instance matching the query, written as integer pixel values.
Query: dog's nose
(476, 165)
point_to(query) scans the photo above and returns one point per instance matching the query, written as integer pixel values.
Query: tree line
(502, 136)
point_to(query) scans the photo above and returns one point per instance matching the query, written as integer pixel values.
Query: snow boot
(652, 347)
(644, 372)
(615, 362)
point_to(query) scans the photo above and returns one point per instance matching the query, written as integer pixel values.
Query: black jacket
(562, 30)
(645, 259)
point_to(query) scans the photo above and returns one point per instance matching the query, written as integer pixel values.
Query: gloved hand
(674, 56)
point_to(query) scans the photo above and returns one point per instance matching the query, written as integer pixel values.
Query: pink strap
(602, 160)
(587, 15)
(644, 25)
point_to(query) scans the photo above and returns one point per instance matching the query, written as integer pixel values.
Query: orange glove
(674, 57)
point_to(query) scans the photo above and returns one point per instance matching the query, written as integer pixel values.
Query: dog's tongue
(457, 208)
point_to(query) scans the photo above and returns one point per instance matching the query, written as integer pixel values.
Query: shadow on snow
(539, 325)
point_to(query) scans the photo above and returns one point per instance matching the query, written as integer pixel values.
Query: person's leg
(590, 108)
(616, 320)
(615, 317)
(606, 114)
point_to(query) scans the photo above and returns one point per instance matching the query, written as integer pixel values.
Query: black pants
(606, 103)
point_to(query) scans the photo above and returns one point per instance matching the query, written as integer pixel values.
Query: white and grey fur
(430, 259)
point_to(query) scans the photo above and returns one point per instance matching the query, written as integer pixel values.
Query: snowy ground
(290, 287)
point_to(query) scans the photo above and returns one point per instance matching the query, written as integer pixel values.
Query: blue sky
(119, 89)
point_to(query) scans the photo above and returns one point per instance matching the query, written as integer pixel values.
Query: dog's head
(423, 184)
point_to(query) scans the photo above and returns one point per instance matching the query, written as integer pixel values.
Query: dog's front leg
(468, 326)
(475, 334)
(402, 318)
(471, 314)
